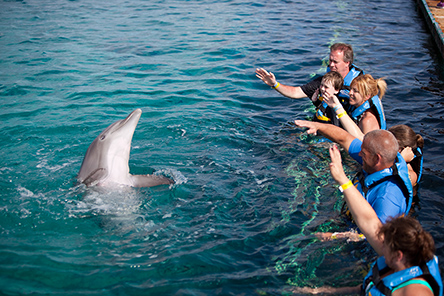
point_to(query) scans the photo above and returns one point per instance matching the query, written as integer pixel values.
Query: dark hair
(405, 234)
(406, 136)
(335, 78)
(346, 49)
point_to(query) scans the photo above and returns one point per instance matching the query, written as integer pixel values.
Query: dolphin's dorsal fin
(150, 180)
(95, 176)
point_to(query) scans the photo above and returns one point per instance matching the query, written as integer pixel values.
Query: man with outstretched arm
(341, 61)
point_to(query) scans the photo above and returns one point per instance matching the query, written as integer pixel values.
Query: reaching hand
(315, 96)
(311, 125)
(314, 291)
(266, 77)
(336, 169)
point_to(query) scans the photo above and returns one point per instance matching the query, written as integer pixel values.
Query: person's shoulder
(369, 114)
(391, 183)
(310, 87)
(390, 189)
(355, 68)
(355, 146)
(413, 290)
(369, 121)
(314, 82)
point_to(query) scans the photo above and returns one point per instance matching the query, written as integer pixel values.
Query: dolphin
(106, 160)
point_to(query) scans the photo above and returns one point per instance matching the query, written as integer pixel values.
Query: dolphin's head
(107, 157)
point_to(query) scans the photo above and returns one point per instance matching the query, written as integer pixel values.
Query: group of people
(349, 112)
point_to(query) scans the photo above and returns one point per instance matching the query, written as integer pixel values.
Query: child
(331, 84)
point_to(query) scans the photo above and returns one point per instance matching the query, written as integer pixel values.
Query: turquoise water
(251, 189)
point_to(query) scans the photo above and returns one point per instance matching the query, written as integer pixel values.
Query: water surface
(251, 189)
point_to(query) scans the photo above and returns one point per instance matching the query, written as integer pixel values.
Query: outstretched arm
(332, 132)
(328, 290)
(362, 212)
(285, 90)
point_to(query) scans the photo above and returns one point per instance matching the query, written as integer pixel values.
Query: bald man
(384, 180)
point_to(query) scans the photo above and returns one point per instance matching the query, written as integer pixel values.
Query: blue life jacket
(418, 154)
(323, 112)
(344, 94)
(375, 104)
(398, 169)
(374, 285)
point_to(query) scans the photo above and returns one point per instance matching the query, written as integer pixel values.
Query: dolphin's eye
(102, 137)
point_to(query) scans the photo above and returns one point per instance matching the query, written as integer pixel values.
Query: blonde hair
(369, 87)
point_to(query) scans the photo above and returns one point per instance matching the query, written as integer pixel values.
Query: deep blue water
(251, 189)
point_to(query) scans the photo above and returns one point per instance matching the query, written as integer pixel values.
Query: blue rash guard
(387, 198)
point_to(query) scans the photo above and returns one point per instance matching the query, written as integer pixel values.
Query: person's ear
(399, 255)
(377, 159)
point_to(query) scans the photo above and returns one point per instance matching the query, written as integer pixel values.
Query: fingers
(312, 130)
(335, 155)
(260, 72)
(407, 154)
(302, 123)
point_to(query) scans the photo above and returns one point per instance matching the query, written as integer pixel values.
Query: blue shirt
(386, 198)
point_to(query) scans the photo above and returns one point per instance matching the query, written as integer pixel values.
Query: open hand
(336, 169)
(311, 125)
(265, 76)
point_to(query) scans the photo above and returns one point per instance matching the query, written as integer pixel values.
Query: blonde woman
(367, 112)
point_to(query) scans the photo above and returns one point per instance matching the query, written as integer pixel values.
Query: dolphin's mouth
(123, 122)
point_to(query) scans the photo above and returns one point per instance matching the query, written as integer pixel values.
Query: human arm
(328, 290)
(293, 92)
(345, 120)
(351, 236)
(413, 176)
(408, 155)
(332, 132)
(362, 212)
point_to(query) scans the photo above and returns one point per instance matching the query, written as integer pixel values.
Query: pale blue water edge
(251, 189)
